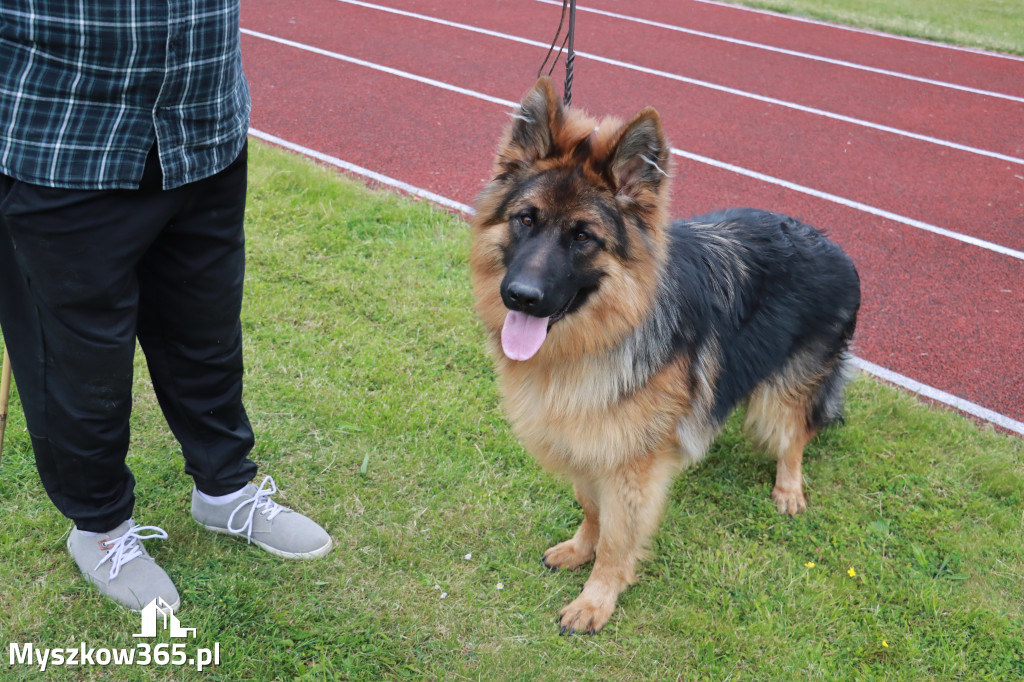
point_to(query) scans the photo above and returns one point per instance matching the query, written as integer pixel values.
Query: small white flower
(468, 556)
(444, 595)
(501, 586)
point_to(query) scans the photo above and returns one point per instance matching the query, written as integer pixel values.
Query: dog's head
(566, 231)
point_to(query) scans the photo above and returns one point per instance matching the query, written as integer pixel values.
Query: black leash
(570, 56)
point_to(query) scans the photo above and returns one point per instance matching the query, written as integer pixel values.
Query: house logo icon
(170, 621)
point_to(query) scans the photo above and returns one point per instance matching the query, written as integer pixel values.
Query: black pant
(82, 274)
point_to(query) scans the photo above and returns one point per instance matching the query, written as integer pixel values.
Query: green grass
(991, 24)
(361, 347)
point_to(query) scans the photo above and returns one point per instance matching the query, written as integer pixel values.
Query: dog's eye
(526, 220)
(581, 236)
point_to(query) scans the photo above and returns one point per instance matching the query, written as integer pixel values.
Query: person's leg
(68, 305)
(68, 302)
(190, 283)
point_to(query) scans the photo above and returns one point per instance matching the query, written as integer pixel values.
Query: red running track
(881, 141)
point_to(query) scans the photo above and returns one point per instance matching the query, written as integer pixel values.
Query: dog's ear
(639, 160)
(532, 133)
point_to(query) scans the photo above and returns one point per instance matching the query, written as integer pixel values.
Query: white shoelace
(260, 501)
(125, 548)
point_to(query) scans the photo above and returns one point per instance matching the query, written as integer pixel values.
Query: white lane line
(819, 194)
(850, 203)
(940, 396)
(871, 32)
(877, 370)
(794, 53)
(700, 83)
(377, 67)
(365, 172)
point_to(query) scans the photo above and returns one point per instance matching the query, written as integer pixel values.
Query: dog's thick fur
(656, 330)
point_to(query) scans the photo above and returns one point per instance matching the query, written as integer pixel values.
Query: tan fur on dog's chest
(574, 418)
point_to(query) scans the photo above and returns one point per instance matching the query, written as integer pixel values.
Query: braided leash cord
(567, 42)
(571, 56)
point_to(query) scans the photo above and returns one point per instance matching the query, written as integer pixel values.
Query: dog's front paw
(586, 614)
(790, 502)
(569, 554)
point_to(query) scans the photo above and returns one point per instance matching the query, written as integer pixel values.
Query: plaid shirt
(86, 86)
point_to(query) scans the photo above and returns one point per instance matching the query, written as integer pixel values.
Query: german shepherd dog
(623, 341)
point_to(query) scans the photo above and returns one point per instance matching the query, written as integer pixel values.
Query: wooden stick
(5, 397)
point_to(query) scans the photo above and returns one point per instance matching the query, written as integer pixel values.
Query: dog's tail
(826, 405)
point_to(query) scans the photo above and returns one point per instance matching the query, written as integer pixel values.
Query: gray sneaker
(119, 566)
(260, 520)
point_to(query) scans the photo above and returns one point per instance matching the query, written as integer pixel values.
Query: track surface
(910, 155)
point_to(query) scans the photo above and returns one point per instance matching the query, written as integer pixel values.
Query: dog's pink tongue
(522, 335)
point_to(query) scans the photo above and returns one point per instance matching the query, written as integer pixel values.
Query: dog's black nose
(523, 296)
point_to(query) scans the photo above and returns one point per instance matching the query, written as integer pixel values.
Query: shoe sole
(314, 554)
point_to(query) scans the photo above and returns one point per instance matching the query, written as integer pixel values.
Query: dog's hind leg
(580, 549)
(786, 411)
(631, 500)
(778, 420)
